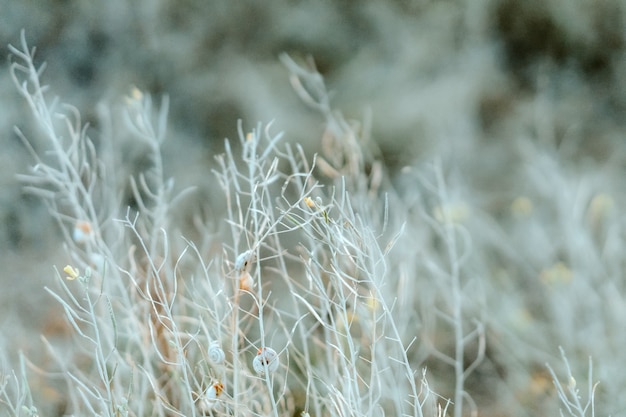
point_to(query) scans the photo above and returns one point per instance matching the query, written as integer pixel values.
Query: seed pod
(266, 360)
(216, 353)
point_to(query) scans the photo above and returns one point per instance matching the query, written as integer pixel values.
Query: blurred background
(523, 101)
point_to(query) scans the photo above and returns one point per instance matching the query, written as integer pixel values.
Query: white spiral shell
(266, 360)
(216, 353)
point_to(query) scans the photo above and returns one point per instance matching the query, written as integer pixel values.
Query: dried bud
(246, 283)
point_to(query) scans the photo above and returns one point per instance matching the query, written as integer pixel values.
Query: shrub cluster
(324, 291)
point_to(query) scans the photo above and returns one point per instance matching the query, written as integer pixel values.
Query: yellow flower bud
(72, 273)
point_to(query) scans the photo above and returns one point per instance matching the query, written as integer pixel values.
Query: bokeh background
(524, 101)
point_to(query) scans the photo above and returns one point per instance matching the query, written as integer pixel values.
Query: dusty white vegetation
(327, 286)
(294, 308)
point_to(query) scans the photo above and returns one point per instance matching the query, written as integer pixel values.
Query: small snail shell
(83, 232)
(243, 261)
(216, 353)
(211, 395)
(266, 360)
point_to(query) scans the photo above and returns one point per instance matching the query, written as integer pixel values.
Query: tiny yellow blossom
(134, 97)
(72, 273)
(559, 273)
(456, 213)
(522, 207)
(572, 383)
(523, 319)
(309, 202)
(372, 303)
(540, 383)
(136, 94)
(601, 206)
